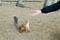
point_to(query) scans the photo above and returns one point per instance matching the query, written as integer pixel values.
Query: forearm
(51, 8)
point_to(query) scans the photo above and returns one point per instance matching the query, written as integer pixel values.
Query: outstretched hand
(36, 12)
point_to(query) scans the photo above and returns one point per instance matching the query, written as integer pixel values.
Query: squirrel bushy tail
(16, 22)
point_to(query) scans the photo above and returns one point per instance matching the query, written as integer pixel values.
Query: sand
(43, 26)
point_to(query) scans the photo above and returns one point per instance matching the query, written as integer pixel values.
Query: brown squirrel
(22, 27)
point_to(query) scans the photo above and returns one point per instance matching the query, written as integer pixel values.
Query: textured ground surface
(43, 27)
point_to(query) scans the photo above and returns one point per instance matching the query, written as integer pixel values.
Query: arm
(47, 9)
(51, 8)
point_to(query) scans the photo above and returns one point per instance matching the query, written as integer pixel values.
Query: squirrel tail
(16, 22)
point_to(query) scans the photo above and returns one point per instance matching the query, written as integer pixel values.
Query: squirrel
(22, 27)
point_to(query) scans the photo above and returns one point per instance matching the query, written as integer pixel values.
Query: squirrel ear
(27, 21)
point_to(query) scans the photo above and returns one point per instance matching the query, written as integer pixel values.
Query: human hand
(36, 12)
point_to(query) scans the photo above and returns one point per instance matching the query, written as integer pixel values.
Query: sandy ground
(43, 27)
